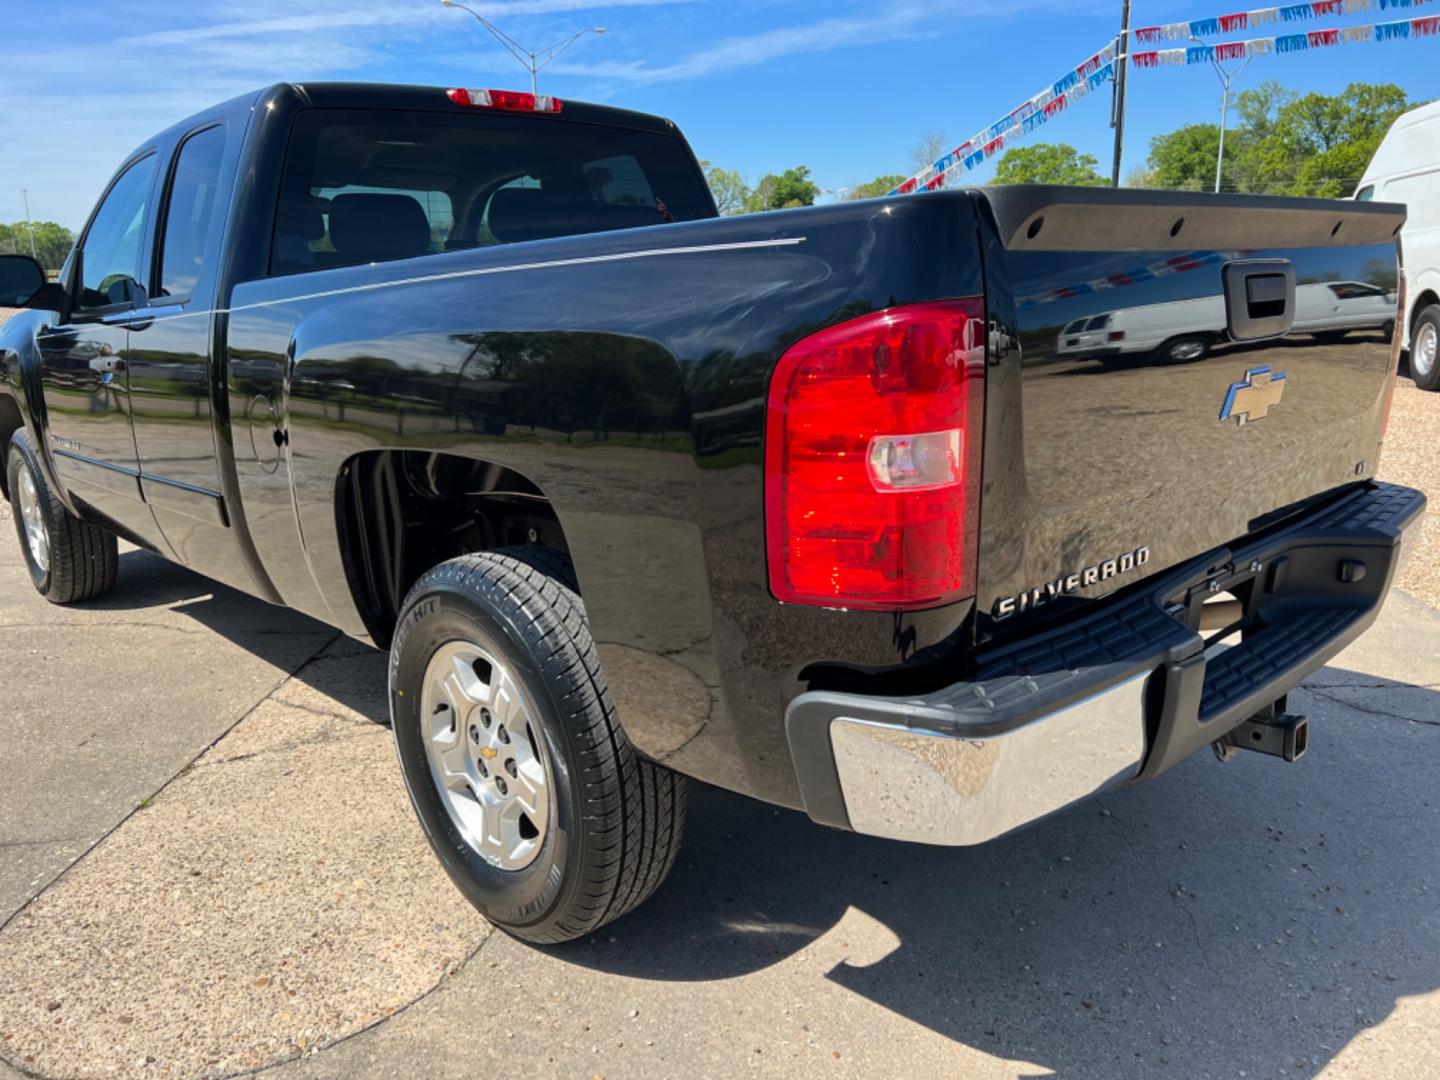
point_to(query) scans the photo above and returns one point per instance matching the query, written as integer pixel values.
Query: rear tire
(69, 560)
(1184, 350)
(508, 631)
(1425, 349)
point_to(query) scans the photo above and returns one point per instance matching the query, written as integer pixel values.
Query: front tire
(1425, 349)
(519, 771)
(69, 560)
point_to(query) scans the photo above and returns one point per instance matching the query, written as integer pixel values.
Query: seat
(375, 227)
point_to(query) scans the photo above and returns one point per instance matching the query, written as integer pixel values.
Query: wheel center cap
(487, 752)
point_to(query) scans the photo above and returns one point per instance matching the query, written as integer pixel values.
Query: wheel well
(402, 512)
(1424, 300)
(10, 422)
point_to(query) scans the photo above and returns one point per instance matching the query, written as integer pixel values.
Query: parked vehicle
(1406, 169)
(1185, 330)
(633, 493)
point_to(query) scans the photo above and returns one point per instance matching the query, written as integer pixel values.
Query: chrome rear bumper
(1121, 694)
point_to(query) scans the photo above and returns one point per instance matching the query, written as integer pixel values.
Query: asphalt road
(1249, 919)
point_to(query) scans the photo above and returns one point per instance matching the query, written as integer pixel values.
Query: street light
(24, 194)
(533, 59)
(1227, 80)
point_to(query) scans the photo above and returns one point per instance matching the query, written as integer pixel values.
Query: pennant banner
(1025, 118)
(1249, 20)
(1288, 43)
(1176, 264)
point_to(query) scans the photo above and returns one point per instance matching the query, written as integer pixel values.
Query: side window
(1366, 193)
(110, 257)
(190, 212)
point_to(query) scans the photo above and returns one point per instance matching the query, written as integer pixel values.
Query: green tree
(793, 187)
(1184, 159)
(728, 187)
(1312, 144)
(1328, 140)
(881, 185)
(1048, 163)
(52, 242)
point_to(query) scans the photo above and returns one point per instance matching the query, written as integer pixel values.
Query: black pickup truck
(813, 505)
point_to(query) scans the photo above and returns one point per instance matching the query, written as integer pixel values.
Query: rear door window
(191, 212)
(364, 186)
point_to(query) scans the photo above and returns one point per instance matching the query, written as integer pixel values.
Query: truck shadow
(1235, 915)
(348, 671)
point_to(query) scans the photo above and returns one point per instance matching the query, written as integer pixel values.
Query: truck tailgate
(1159, 436)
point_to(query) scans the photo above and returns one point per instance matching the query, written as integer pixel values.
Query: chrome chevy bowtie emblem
(1254, 396)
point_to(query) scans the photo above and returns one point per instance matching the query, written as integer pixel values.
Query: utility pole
(1117, 117)
(29, 226)
(1227, 80)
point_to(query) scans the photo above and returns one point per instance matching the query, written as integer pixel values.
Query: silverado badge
(1253, 396)
(1069, 583)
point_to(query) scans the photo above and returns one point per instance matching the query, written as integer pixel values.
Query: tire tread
(634, 810)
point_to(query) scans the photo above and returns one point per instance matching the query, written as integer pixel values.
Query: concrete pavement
(1253, 918)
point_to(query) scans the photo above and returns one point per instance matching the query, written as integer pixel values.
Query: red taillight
(514, 100)
(1115, 335)
(872, 460)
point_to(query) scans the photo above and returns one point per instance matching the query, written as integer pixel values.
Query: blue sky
(845, 87)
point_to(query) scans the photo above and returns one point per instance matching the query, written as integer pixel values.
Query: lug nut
(510, 767)
(500, 784)
(504, 735)
(485, 717)
(483, 770)
(474, 734)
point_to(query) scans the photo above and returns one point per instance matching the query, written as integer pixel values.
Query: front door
(86, 386)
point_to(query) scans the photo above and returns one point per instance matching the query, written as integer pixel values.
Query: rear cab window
(367, 185)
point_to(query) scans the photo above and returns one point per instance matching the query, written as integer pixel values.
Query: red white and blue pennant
(1249, 20)
(1025, 118)
(1288, 43)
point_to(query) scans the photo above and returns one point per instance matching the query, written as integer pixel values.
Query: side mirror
(21, 277)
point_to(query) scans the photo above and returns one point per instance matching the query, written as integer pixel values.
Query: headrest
(376, 227)
(517, 214)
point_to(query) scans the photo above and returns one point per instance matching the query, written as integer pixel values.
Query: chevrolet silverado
(813, 505)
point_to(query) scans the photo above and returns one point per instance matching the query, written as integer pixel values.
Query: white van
(1406, 169)
(1186, 329)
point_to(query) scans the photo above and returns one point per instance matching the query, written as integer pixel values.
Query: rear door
(83, 372)
(171, 360)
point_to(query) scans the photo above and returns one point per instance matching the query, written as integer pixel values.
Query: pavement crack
(352, 720)
(1368, 710)
(1369, 686)
(332, 637)
(6, 844)
(445, 978)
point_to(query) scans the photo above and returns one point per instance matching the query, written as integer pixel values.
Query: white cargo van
(1187, 329)
(1406, 169)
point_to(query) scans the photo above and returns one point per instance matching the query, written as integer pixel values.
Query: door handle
(107, 364)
